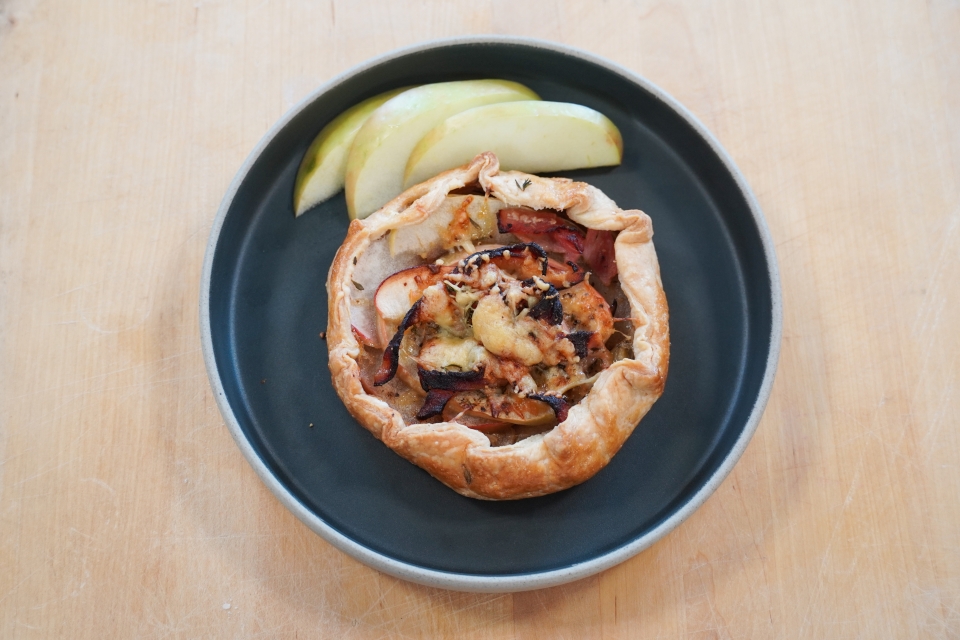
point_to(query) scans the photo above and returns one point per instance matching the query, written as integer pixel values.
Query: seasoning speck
(357, 285)
(263, 381)
(354, 260)
(311, 425)
(226, 606)
(323, 335)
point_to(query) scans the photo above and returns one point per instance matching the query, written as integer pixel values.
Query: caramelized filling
(504, 340)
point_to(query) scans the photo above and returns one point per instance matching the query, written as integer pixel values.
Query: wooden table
(127, 511)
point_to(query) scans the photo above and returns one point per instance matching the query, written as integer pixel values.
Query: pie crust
(463, 458)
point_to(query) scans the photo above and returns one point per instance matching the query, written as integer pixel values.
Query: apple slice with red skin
(518, 411)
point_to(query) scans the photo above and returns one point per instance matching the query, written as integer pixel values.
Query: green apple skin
(324, 165)
(532, 136)
(380, 151)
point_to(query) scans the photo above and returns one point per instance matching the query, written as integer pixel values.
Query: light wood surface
(127, 511)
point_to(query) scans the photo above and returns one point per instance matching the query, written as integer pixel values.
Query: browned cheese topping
(504, 340)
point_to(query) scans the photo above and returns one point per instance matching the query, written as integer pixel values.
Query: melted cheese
(503, 334)
(447, 351)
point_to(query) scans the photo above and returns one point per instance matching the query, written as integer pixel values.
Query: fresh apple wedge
(324, 165)
(530, 136)
(380, 151)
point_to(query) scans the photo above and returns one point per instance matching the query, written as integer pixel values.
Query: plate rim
(481, 582)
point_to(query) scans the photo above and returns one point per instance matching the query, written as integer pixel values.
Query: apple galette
(503, 331)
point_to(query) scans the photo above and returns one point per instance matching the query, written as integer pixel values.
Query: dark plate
(264, 304)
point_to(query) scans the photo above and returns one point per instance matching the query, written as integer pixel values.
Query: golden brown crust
(595, 428)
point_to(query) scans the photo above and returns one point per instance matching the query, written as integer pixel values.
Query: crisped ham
(545, 228)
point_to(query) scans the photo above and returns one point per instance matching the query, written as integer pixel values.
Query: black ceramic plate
(264, 305)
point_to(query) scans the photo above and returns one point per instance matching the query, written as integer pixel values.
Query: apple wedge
(324, 165)
(530, 136)
(458, 221)
(380, 151)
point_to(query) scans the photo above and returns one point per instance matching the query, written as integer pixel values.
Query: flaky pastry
(445, 326)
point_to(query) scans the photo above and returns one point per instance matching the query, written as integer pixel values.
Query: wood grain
(127, 511)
